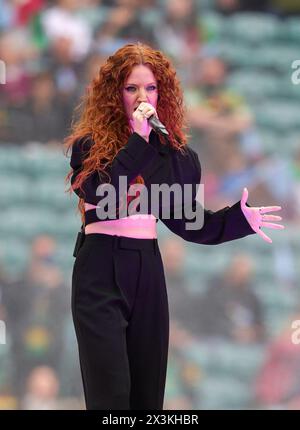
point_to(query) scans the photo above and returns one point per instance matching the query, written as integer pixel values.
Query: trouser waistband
(122, 242)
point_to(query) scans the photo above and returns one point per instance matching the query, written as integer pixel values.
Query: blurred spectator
(225, 137)
(180, 302)
(25, 10)
(16, 51)
(178, 35)
(19, 13)
(67, 75)
(36, 307)
(41, 119)
(94, 62)
(212, 107)
(51, 51)
(278, 381)
(181, 307)
(285, 267)
(124, 24)
(219, 116)
(182, 378)
(62, 21)
(4, 282)
(286, 7)
(7, 14)
(230, 309)
(64, 70)
(42, 389)
(280, 7)
(295, 191)
(227, 7)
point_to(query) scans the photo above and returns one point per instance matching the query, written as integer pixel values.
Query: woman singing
(119, 297)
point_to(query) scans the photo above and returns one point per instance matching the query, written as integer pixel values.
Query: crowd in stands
(231, 306)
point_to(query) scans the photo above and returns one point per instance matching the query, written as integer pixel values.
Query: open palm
(256, 217)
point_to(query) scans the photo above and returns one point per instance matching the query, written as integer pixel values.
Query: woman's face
(141, 86)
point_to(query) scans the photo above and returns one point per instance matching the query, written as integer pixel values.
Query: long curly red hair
(103, 115)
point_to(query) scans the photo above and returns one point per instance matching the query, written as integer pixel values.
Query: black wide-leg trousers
(121, 319)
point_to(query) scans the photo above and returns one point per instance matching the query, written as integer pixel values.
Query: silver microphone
(157, 125)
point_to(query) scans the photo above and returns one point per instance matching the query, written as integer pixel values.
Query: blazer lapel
(161, 160)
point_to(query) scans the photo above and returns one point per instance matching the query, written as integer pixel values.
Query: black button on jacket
(161, 164)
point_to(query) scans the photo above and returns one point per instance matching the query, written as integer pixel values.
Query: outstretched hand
(256, 217)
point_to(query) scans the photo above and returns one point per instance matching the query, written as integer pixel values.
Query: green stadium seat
(14, 188)
(173, 386)
(271, 141)
(274, 296)
(40, 161)
(28, 221)
(222, 358)
(11, 160)
(14, 255)
(279, 117)
(5, 362)
(217, 392)
(252, 27)
(287, 90)
(253, 84)
(235, 54)
(274, 142)
(211, 25)
(291, 29)
(276, 322)
(51, 192)
(276, 56)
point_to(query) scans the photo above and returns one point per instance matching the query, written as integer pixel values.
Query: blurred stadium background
(231, 305)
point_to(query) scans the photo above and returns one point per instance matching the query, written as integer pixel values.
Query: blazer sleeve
(130, 161)
(226, 224)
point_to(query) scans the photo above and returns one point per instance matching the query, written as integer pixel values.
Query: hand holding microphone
(144, 119)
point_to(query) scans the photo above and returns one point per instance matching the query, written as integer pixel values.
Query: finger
(244, 196)
(141, 116)
(264, 236)
(149, 113)
(137, 114)
(145, 107)
(272, 218)
(265, 209)
(272, 225)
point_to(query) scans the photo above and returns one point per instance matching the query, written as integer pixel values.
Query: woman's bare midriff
(140, 226)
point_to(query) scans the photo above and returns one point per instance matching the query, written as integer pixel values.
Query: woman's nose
(142, 96)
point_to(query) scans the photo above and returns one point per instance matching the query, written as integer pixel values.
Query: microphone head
(157, 125)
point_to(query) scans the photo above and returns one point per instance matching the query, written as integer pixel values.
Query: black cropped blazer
(159, 163)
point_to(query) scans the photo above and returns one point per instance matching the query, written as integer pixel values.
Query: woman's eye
(133, 88)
